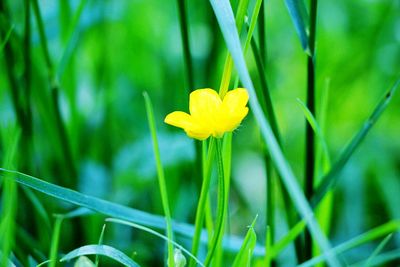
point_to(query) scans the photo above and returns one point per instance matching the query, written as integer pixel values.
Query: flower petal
(204, 103)
(235, 99)
(192, 128)
(179, 119)
(233, 110)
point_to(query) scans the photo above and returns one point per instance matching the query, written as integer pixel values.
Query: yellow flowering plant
(210, 115)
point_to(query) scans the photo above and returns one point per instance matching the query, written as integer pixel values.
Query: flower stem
(218, 234)
(200, 212)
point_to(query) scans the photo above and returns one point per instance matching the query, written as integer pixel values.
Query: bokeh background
(105, 54)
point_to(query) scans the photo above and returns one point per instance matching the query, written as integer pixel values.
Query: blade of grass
(330, 179)
(359, 240)
(315, 126)
(309, 162)
(378, 250)
(146, 229)
(184, 25)
(243, 258)
(382, 259)
(261, 33)
(61, 130)
(265, 95)
(89, 204)
(227, 73)
(161, 177)
(39, 209)
(298, 14)
(10, 63)
(226, 149)
(103, 250)
(55, 240)
(279, 246)
(100, 243)
(224, 15)
(27, 128)
(6, 38)
(9, 196)
(73, 37)
(268, 246)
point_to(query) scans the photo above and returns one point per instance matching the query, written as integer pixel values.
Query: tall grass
(88, 165)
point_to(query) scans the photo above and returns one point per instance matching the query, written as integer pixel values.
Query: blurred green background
(105, 57)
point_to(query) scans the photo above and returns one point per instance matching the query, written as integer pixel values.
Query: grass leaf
(298, 13)
(330, 179)
(146, 229)
(225, 18)
(243, 258)
(161, 177)
(6, 38)
(378, 250)
(364, 238)
(101, 250)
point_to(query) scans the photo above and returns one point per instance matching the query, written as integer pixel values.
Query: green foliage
(72, 114)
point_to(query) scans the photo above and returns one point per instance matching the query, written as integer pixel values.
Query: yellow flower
(209, 115)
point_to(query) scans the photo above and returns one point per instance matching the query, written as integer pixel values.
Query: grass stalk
(101, 238)
(200, 211)
(261, 33)
(183, 23)
(55, 240)
(219, 224)
(9, 59)
(228, 66)
(54, 86)
(9, 197)
(330, 179)
(27, 127)
(161, 177)
(224, 14)
(310, 137)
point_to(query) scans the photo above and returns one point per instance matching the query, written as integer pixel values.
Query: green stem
(200, 212)
(54, 93)
(261, 33)
(186, 44)
(265, 93)
(310, 142)
(27, 127)
(218, 234)
(161, 178)
(55, 241)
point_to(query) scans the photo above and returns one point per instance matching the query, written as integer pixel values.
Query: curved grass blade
(298, 13)
(243, 258)
(330, 179)
(378, 250)
(231, 243)
(146, 229)
(381, 259)
(296, 230)
(364, 238)
(103, 250)
(225, 18)
(100, 243)
(161, 177)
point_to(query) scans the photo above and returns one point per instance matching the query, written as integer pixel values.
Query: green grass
(91, 176)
